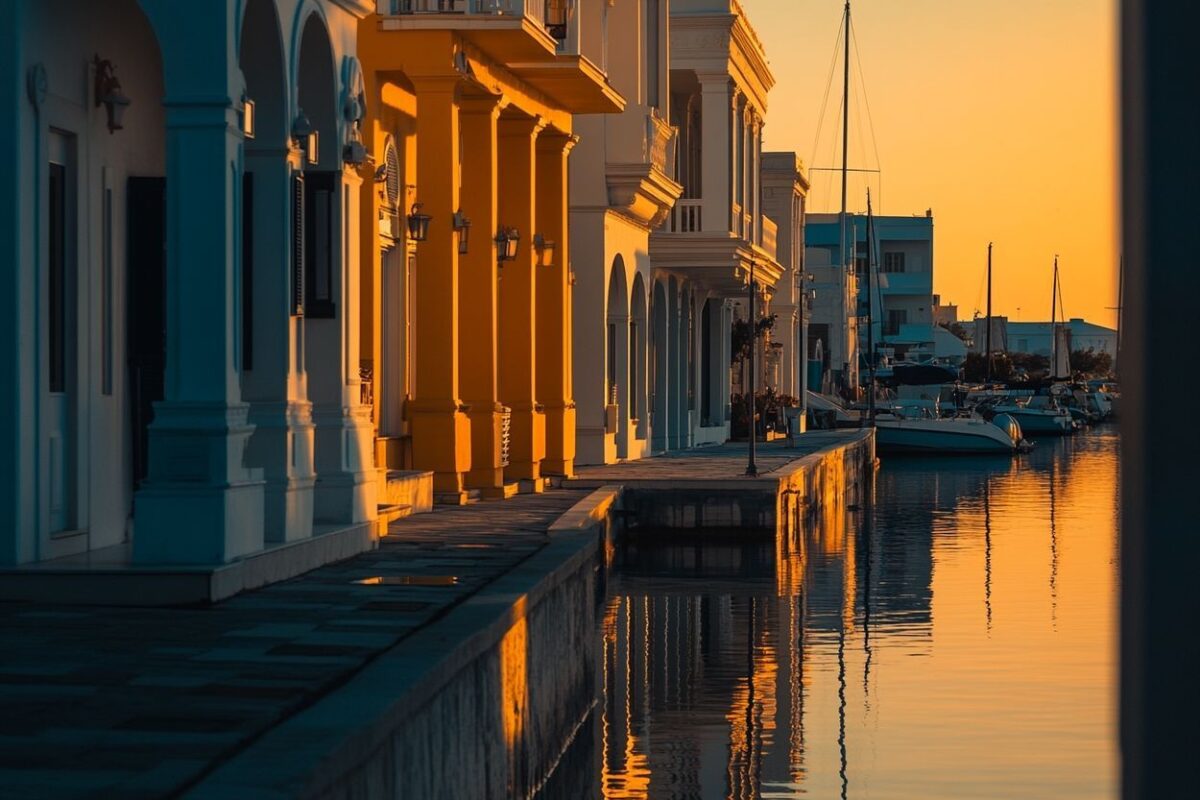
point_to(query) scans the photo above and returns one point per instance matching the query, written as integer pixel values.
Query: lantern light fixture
(312, 148)
(463, 227)
(247, 115)
(507, 240)
(418, 224)
(107, 90)
(545, 249)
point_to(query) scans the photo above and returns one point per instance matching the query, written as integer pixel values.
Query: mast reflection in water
(924, 646)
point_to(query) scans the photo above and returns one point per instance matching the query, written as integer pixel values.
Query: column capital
(712, 81)
(522, 126)
(436, 84)
(551, 139)
(481, 104)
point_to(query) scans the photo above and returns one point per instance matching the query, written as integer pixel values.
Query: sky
(1000, 115)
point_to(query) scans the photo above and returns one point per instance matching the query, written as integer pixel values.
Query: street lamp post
(751, 467)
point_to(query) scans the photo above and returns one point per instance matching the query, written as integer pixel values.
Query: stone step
(410, 488)
(390, 512)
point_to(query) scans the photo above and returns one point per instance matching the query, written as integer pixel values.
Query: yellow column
(517, 167)
(479, 295)
(440, 428)
(553, 327)
(368, 204)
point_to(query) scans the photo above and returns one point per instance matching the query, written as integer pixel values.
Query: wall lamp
(107, 90)
(463, 226)
(418, 224)
(545, 250)
(306, 138)
(507, 240)
(247, 115)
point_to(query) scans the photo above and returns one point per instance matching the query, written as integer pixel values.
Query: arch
(616, 352)
(638, 413)
(261, 59)
(660, 378)
(316, 87)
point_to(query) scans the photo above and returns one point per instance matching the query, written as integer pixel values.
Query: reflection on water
(955, 638)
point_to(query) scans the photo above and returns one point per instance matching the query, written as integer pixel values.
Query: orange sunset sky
(1000, 115)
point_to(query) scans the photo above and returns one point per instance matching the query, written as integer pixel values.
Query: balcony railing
(685, 216)
(550, 14)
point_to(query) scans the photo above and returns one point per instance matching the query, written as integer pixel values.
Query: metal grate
(505, 435)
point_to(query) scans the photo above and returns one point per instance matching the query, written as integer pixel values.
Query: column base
(282, 445)
(527, 445)
(441, 443)
(595, 446)
(485, 474)
(198, 505)
(346, 489)
(560, 440)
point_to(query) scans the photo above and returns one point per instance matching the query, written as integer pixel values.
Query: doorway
(62, 333)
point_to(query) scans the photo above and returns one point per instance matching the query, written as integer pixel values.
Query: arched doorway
(639, 416)
(660, 368)
(271, 350)
(616, 357)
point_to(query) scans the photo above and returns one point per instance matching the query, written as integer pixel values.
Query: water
(953, 639)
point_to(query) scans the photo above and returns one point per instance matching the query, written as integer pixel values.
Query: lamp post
(751, 467)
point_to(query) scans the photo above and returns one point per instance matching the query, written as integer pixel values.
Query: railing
(685, 216)
(366, 384)
(505, 435)
(550, 14)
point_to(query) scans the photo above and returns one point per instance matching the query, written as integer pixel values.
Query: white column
(716, 143)
(199, 504)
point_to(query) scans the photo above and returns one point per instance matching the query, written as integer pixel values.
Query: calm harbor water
(954, 638)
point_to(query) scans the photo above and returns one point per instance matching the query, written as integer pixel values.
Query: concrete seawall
(483, 702)
(480, 704)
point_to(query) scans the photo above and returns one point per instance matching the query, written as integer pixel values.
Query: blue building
(903, 286)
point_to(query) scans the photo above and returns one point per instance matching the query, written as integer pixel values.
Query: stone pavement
(720, 462)
(142, 702)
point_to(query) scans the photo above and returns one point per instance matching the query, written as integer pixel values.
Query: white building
(785, 190)
(169, 399)
(1034, 337)
(622, 187)
(701, 258)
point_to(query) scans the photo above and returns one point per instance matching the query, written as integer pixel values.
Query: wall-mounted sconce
(247, 115)
(506, 244)
(418, 224)
(306, 138)
(463, 226)
(107, 90)
(544, 248)
(355, 152)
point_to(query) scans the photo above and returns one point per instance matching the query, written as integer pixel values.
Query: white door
(61, 333)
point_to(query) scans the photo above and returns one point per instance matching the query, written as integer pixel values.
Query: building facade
(1036, 337)
(186, 379)
(468, 290)
(701, 258)
(622, 187)
(785, 191)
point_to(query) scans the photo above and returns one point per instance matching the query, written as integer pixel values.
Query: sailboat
(899, 430)
(1042, 414)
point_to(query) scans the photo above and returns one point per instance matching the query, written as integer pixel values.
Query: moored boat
(897, 433)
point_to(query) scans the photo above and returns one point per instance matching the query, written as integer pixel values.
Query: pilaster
(518, 299)
(441, 429)
(553, 305)
(718, 150)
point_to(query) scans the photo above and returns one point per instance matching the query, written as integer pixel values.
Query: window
(635, 381)
(893, 262)
(320, 202)
(57, 279)
(610, 390)
(706, 364)
(895, 318)
(248, 271)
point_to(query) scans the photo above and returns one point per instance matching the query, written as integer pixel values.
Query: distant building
(1034, 337)
(904, 300)
(944, 314)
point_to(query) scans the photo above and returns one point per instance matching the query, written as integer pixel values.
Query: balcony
(549, 15)
(686, 216)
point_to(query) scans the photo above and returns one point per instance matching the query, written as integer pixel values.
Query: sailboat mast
(845, 154)
(870, 313)
(1054, 324)
(988, 335)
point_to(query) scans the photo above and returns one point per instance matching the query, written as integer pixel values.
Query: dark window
(705, 364)
(893, 262)
(635, 377)
(320, 204)
(895, 318)
(56, 252)
(611, 376)
(691, 356)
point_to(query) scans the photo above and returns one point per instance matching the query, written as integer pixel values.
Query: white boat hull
(941, 436)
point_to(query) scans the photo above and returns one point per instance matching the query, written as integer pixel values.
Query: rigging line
(833, 154)
(825, 99)
(860, 150)
(979, 294)
(862, 79)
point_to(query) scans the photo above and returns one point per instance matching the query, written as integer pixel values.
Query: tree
(974, 367)
(1089, 362)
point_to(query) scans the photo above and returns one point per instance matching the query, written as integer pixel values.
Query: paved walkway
(140, 702)
(720, 462)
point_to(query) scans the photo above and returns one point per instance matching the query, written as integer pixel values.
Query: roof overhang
(719, 261)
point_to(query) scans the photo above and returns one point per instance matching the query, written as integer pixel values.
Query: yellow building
(466, 281)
